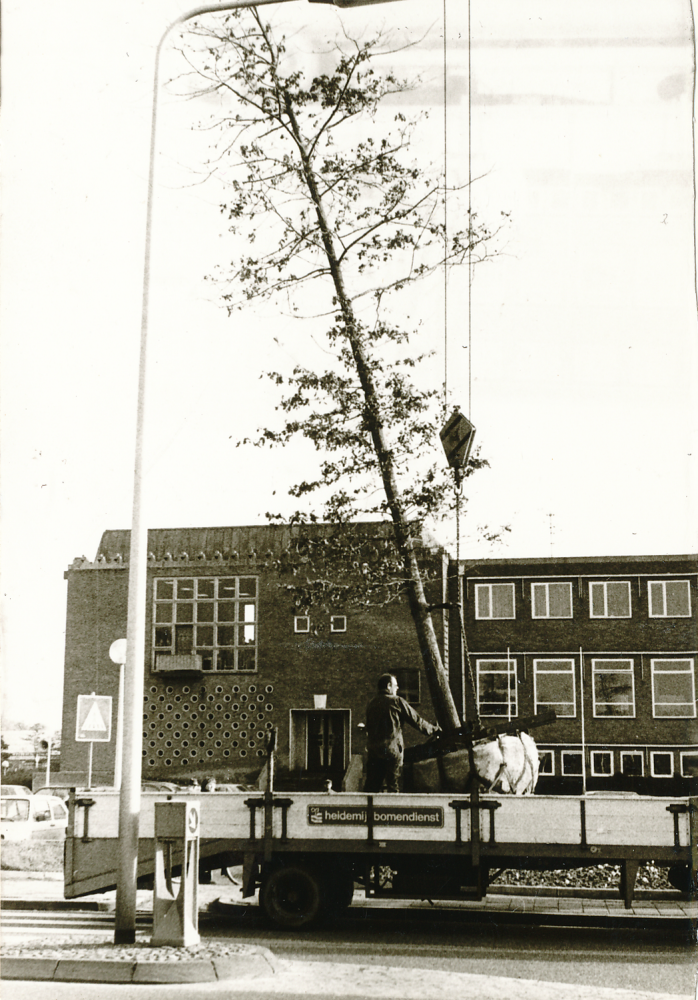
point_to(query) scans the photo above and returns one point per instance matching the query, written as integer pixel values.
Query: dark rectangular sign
(344, 815)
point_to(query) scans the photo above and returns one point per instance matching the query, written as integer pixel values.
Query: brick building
(230, 655)
(609, 643)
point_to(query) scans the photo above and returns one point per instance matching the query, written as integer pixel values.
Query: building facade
(609, 643)
(232, 653)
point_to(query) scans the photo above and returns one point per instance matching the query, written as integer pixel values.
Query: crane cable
(457, 482)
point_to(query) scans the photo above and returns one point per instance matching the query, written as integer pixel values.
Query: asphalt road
(655, 961)
(661, 962)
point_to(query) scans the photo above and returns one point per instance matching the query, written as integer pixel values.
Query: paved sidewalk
(45, 889)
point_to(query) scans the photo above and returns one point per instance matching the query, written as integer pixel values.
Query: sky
(578, 366)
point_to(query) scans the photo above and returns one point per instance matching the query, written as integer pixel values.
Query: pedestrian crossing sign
(93, 718)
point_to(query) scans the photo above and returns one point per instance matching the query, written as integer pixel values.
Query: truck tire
(291, 896)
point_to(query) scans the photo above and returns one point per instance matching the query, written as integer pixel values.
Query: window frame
(691, 672)
(606, 584)
(663, 585)
(547, 704)
(297, 619)
(595, 671)
(547, 584)
(550, 754)
(662, 753)
(488, 587)
(510, 672)
(336, 618)
(632, 753)
(682, 756)
(571, 753)
(602, 753)
(405, 689)
(238, 622)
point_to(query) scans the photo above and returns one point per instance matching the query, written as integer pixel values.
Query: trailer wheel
(291, 897)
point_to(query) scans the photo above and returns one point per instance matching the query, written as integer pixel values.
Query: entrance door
(319, 743)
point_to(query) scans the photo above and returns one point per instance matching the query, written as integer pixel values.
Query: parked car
(32, 817)
(15, 790)
(59, 791)
(160, 786)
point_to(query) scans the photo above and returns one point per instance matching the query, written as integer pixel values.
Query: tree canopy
(332, 215)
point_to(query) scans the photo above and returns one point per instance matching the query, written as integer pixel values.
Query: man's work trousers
(383, 770)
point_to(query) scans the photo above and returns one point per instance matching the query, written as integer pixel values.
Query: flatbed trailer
(305, 851)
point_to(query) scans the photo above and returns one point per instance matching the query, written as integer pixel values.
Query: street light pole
(134, 670)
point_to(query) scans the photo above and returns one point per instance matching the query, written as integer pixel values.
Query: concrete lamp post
(117, 654)
(134, 670)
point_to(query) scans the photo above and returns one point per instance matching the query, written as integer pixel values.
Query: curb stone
(259, 961)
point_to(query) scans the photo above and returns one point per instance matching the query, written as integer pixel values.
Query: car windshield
(14, 810)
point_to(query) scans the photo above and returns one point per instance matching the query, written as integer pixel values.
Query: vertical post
(89, 765)
(581, 710)
(48, 761)
(509, 678)
(119, 748)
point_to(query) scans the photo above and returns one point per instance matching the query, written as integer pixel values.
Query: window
(613, 687)
(408, 684)
(601, 763)
(609, 599)
(494, 600)
(496, 687)
(689, 765)
(662, 764)
(551, 600)
(571, 763)
(301, 623)
(209, 617)
(553, 686)
(673, 689)
(669, 598)
(338, 623)
(546, 762)
(632, 764)
(14, 810)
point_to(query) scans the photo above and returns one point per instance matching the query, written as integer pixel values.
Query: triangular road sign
(93, 718)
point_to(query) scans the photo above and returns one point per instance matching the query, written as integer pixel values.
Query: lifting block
(176, 907)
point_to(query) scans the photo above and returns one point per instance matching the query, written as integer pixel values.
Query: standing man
(385, 716)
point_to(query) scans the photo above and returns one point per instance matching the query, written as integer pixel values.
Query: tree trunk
(442, 699)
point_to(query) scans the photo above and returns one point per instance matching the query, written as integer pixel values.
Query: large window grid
(673, 689)
(613, 683)
(497, 688)
(554, 686)
(669, 598)
(609, 599)
(494, 600)
(213, 618)
(551, 600)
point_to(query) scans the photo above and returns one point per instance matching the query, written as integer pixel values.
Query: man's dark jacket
(384, 718)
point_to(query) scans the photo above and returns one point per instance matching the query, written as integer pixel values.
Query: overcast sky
(579, 368)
